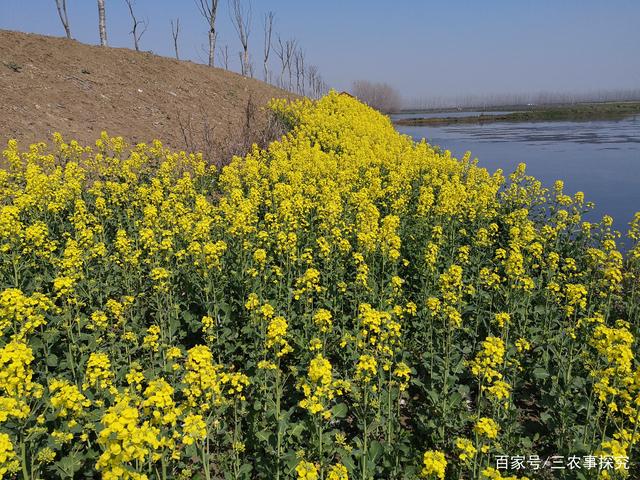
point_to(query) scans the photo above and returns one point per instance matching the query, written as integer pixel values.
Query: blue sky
(424, 48)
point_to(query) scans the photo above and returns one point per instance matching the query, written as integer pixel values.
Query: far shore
(529, 113)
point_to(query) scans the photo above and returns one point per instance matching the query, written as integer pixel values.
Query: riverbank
(51, 84)
(536, 113)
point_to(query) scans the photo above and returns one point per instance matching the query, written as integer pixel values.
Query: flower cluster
(342, 303)
(320, 388)
(434, 465)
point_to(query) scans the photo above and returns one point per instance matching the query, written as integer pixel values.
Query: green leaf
(340, 410)
(263, 435)
(463, 390)
(68, 465)
(297, 430)
(291, 460)
(578, 382)
(347, 460)
(526, 442)
(540, 373)
(52, 360)
(375, 451)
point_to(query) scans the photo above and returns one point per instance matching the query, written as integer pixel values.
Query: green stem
(15, 272)
(236, 453)
(205, 459)
(389, 407)
(320, 448)
(364, 438)
(279, 432)
(23, 458)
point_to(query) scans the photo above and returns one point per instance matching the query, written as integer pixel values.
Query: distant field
(536, 113)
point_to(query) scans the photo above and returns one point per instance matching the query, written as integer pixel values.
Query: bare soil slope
(50, 84)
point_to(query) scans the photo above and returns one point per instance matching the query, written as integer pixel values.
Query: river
(600, 158)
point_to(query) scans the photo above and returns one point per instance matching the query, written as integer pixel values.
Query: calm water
(445, 114)
(600, 158)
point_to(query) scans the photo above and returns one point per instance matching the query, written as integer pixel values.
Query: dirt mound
(50, 84)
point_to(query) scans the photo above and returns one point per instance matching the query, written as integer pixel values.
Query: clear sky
(425, 48)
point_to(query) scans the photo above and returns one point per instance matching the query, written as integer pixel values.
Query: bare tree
(64, 18)
(300, 71)
(380, 96)
(279, 49)
(321, 88)
(247, 69)
(317, 87)
(250, 68)
(209, 9)
(175, 32)
(290, 53)
(102, 24)
(139, 26)
(324, 89)
(312, 75)
(285, 51)
(224, 57)
(268, 28)
(241, 19)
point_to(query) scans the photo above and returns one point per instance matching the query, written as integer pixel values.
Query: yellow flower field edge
(346, 304)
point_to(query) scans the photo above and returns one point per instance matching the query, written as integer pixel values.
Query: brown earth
(50, 84)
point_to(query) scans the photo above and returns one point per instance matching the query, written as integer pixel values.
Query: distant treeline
(540, 98)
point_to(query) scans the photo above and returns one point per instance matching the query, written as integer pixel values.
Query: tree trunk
(102, 23)
(175, 32)
(212, 46)
(135, 37)
(64, 18)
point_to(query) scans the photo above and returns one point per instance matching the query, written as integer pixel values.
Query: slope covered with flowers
(345, 304)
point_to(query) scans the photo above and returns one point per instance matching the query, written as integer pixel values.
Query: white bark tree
(312, 74)
(209, 9)
(102, 23)
(317, 86)
(285, 51)
(268, 28)
(64, 18)
(223, 55)
(241, 19)
(300, 71)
